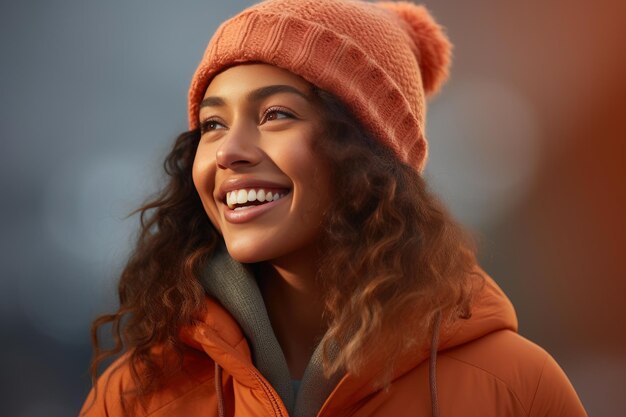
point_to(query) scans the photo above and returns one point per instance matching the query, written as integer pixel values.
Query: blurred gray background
(526, 148)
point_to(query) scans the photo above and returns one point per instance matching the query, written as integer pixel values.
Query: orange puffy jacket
(483, 369)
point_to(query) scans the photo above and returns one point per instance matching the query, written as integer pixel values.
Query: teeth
(231, 199)
(251, 195)
(243, 196)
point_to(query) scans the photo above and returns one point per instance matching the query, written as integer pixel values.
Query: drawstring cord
(218, 390)
(432, 370)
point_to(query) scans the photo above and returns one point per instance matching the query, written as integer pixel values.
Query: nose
(239, 148)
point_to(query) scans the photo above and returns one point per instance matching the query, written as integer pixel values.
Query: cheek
(311, 169)
(311, 183)
(203, 176)
(198, 174)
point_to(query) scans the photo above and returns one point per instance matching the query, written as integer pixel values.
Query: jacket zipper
(269, 392)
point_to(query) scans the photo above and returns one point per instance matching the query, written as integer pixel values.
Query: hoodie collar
(491, 311)
(236, 332)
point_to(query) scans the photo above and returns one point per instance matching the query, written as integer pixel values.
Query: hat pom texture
(432, 47)
(380, 59)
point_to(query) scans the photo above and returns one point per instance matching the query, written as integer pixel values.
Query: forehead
(241, 79)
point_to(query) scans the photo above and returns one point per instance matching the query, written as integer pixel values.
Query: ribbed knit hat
(380, 59)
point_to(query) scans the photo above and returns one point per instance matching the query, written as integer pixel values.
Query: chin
(246, 253)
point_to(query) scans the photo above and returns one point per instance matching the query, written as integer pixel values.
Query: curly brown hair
(391, 253)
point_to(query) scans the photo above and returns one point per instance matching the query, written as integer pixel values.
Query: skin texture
(254, 134)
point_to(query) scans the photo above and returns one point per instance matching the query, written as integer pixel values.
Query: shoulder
(115, 393)
(511, 367)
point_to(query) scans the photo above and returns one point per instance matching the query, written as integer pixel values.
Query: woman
(296, 263)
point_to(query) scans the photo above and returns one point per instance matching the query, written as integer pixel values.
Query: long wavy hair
(391, 254)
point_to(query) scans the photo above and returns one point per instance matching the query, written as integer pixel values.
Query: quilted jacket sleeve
(105, 399)
(555, 394)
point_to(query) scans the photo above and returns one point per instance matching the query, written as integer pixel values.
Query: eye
(210, 124)
(276, 113)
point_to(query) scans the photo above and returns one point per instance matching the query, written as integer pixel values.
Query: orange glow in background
(527, 148)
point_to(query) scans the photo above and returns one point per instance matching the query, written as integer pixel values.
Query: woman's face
(259, 181)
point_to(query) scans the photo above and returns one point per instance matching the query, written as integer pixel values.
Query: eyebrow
(255, 95)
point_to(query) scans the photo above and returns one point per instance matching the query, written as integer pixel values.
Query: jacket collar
(491, 311)
(236, 333)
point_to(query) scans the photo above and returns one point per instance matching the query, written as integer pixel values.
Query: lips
(247, 198)
(244, 197)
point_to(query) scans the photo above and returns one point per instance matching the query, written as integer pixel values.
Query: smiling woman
(255, 171)
(296, 263)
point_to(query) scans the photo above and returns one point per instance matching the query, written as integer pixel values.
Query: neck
(295, 307)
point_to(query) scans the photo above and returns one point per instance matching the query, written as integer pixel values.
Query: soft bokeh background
(526, 147)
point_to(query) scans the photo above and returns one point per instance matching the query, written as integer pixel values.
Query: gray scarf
(234, 286)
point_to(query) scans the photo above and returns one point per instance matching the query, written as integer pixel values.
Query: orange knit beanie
(380, 59)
